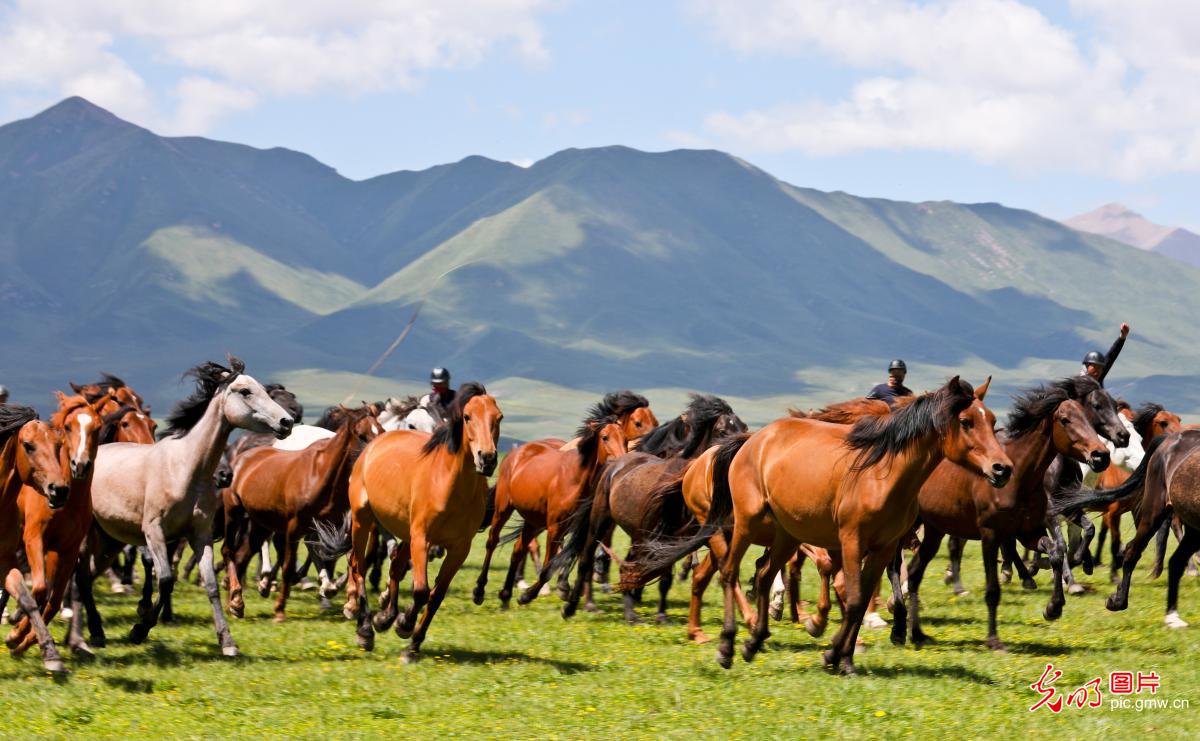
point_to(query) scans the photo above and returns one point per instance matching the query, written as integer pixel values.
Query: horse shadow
(471, 656)
(952, 671)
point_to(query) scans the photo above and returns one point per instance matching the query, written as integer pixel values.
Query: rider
(894, 387)
(440, 396)
(1096, 365)
(3, 394)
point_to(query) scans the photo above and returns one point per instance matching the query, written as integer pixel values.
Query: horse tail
(579, 524)
(1071, 501)
(489, 509)
(666, 507)
(659, 554)
(512, 533)
(333, 540)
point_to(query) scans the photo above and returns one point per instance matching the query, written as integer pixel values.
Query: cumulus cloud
(992, 79)
(232, 53)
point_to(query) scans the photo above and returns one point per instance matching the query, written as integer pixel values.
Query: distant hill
(592, 269)
(1120, 223)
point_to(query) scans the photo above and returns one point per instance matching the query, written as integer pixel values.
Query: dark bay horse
(55, 532)
(1045, 422)
(849, 489)
(286, 491)
(545, 483)
(29, 455)
(426, 490)
(631, 494)
(1168, 482)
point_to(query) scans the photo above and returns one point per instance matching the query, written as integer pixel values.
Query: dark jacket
(886, 393)
(1111, 357)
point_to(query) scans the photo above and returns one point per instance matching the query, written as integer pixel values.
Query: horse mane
(1144, 417)
(1032, 406)
(449, 433)
(12, 418)
(210, 378)
(69, 404)
(286, 399)
(849, 412)
(331, 418)
(703, 413)
(877, 438)
(335, 416)
(664, 439)
(589, 438)
(617, 404)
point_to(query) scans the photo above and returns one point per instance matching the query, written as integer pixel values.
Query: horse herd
(851, 487)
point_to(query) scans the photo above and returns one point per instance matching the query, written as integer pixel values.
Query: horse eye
(637, 425)
(1064, 421)
(28, 447)
(244, 392)
(966, 422)
(466, 418)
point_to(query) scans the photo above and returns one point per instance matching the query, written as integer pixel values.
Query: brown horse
(1151, 421)
(544, 484)
(1168, 481)
(29, 454)
(849, 489)
(54, 533)
(426, 490)
(286, 491)
(1045, 422)
(635, 492)
(632, 412)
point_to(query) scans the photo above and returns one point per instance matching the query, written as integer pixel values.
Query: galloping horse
(155, 494)
(425, 490)
(630, 493)
(1168, 481)
(54, 534)
(1151, 421)
(850, 490)
(285, 491)
(545, 484)
(1045, 422)
(29, 455)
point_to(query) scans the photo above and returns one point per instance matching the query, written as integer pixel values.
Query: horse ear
(60, 396)
(982, 389)
(77, 389)
(343, 408)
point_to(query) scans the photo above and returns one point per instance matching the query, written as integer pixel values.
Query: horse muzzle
(80, 469)
(999, 475)
(283, 427)
(1098, 460)
(485, 463)
(56, 495)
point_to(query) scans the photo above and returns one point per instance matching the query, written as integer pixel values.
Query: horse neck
(333, 459)
(205, 442)
(909, 470)
(1031, 455)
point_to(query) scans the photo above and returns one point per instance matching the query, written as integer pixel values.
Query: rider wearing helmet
(440, 395)
(894, 387)
(1096, 365)
(3, 394)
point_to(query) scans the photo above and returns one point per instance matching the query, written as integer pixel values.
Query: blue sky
(1057, 107)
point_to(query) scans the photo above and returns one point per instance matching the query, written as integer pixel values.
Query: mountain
(1120, 223)
(124, 251)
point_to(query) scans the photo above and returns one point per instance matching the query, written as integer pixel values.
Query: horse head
(1075, 437)
(38, 462)
(969, 430)
(79, 420)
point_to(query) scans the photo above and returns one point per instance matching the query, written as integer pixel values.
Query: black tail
(1074, 500)
(660, 554)
(489, 510)
(332, 541)
(579, 527)
(513, 532)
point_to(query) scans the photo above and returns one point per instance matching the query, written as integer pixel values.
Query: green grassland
(527, 672)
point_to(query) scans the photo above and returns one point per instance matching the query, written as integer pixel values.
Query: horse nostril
(1001, 471)
(286, 423)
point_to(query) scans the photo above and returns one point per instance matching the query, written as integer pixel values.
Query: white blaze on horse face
(85, 421)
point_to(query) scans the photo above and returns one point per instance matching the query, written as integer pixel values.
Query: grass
(527, 672)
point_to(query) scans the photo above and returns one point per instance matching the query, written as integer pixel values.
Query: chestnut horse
(426, 490)
(545, 485)
(286, 491)
(631, 494)
(1151, 421)
(29, 455)
(54, 533)
(849, 489)
(1045, 422)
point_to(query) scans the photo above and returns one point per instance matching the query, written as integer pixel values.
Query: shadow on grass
(471, 656)
(951, 671)
(132, 686)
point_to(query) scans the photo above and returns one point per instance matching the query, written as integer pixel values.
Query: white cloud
(991, 79)
(232, 53)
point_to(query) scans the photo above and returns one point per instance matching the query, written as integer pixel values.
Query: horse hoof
(898, 639)
(564, 592)
(847, 667)
(1005, 577)
(382, 621)
(995, 644)
(662, 619)
(724, 660)
(409, 656)
(873, 621)
(1076, 588)
(230, 651)
(568, 611)
(1029, 584)
(264, 589)
(1053, 611)
(477, 595)
(348, 613)
(99, 640)
(237, 611)
(591, 607)
(54, 665)
(776, 613)
(82, 652)
(813, 629)
(280, 617)
(829, 659)
(1173, 621)
(527, 596)
(138, 633)
(366, 642)
(699, 637)
(1088, 566)
(749, 650)
(1115, 604)
(404, 631)
(919, 639)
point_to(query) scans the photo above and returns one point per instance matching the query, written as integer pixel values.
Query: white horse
(408, 414)
(152, 495)
(302, 436)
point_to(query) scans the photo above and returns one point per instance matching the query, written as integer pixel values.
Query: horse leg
(1054, 548)
(1149, 522)
(146, 603)
(1009, 548)
(1102, 531)
(899, 613)
(168, 610)
(664, 586)
(420, 562)
(1179, 560)
(827, 569)
(916, 574)
(730, 566)
(1054, 525)
(201, 542)
(34, 554)
(701, 576)
(520, 547)
(1160, 549)
(992, 591)
(1083, 552)
(686, 565)
(794, 567)
(553, 544)
(287, 565)
(388, 609)
(499, 518)
(455, 556)
(362, 525)
(376, 553)
(860, 585)
(1115, 547)
(782, 548)
(52, 661)
(583, 578)
(955, 547)
(160, 560)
